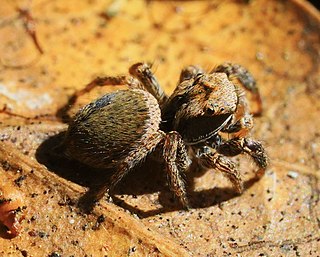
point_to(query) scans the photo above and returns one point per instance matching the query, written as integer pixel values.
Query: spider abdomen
(108, 129)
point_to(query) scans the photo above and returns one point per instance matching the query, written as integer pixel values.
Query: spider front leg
(245, 78)
(177, 162)
(109, 81)
(253, 148)
(209, 159)
(190, 72)
(144, 74)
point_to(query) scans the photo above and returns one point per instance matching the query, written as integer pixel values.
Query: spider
(120, 129)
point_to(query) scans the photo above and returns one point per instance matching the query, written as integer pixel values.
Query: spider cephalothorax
(120, 129)
(201, 106)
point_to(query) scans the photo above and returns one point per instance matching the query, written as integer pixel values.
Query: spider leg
(190, 72)
(123, 168)
(107, 81)
(97, 82)
(249, 146)
(211, 159)
(143, 73)
(245, 78)
(177, 162)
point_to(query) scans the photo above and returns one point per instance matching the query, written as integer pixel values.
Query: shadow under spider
(49, 153)
(148, 178)
(144, 181)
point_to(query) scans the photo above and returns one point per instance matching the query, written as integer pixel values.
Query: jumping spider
(120, 129)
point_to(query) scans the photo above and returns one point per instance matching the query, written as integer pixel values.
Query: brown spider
(120, 129)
